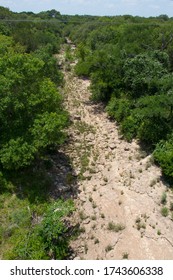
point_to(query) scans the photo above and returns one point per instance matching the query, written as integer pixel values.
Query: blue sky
(94, 7)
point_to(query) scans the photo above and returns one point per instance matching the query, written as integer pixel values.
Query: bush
(82, 69)
(50, 68)
(163, 154)
(164, 211)
(142, 74)
(115, 227)
(118, 108)
(47, 240)
(164, 198)
(129, 127)
(153, 112)
(150, 131)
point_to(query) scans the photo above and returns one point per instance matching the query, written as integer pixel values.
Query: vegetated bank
(130, 62)
(32, 123)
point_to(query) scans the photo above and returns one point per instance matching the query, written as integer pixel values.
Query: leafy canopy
(31, 114)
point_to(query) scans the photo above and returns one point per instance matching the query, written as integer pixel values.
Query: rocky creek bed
(118, 187)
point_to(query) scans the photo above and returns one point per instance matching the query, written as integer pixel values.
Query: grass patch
(82, 230)
(82, 215)
(153, 182)
(95, 155)
(158, 232)
(26, 238)
(83, 127)
(139, 223)
(84, 163)
(115, 227)
(125, 256)
(108, 248)
(164, 211)
(164, 198)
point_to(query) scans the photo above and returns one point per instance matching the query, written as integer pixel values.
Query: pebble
(112, 146)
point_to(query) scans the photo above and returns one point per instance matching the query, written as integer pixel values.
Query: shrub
(108, 248)
(82, 69)
(118, 108)
(163, 154)
(129, 127)
(125, 256)
(158, 232)
(142, 73)
(164, 198)
(164, 211)
(46, 240)
(152, 130)
(115, 227)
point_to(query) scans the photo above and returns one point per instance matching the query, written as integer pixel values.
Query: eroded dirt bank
(120, 189)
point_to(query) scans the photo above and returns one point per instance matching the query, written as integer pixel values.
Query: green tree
(31, 114)
(142, 74)
(163, 154)
(155, 117)
(106, 73)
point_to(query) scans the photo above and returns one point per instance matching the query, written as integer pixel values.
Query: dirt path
(120, 189)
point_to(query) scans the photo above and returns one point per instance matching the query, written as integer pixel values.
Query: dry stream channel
(118, 205)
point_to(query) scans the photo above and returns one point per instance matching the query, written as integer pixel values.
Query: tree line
(32, 123)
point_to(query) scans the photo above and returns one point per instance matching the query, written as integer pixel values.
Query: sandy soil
(118, 205)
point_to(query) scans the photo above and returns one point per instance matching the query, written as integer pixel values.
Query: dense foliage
(32, 122)
(48, 239)
(31, 115)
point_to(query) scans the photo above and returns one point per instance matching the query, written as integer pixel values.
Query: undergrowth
(32, 224)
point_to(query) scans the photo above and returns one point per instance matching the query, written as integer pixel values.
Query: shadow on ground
(50, 178)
